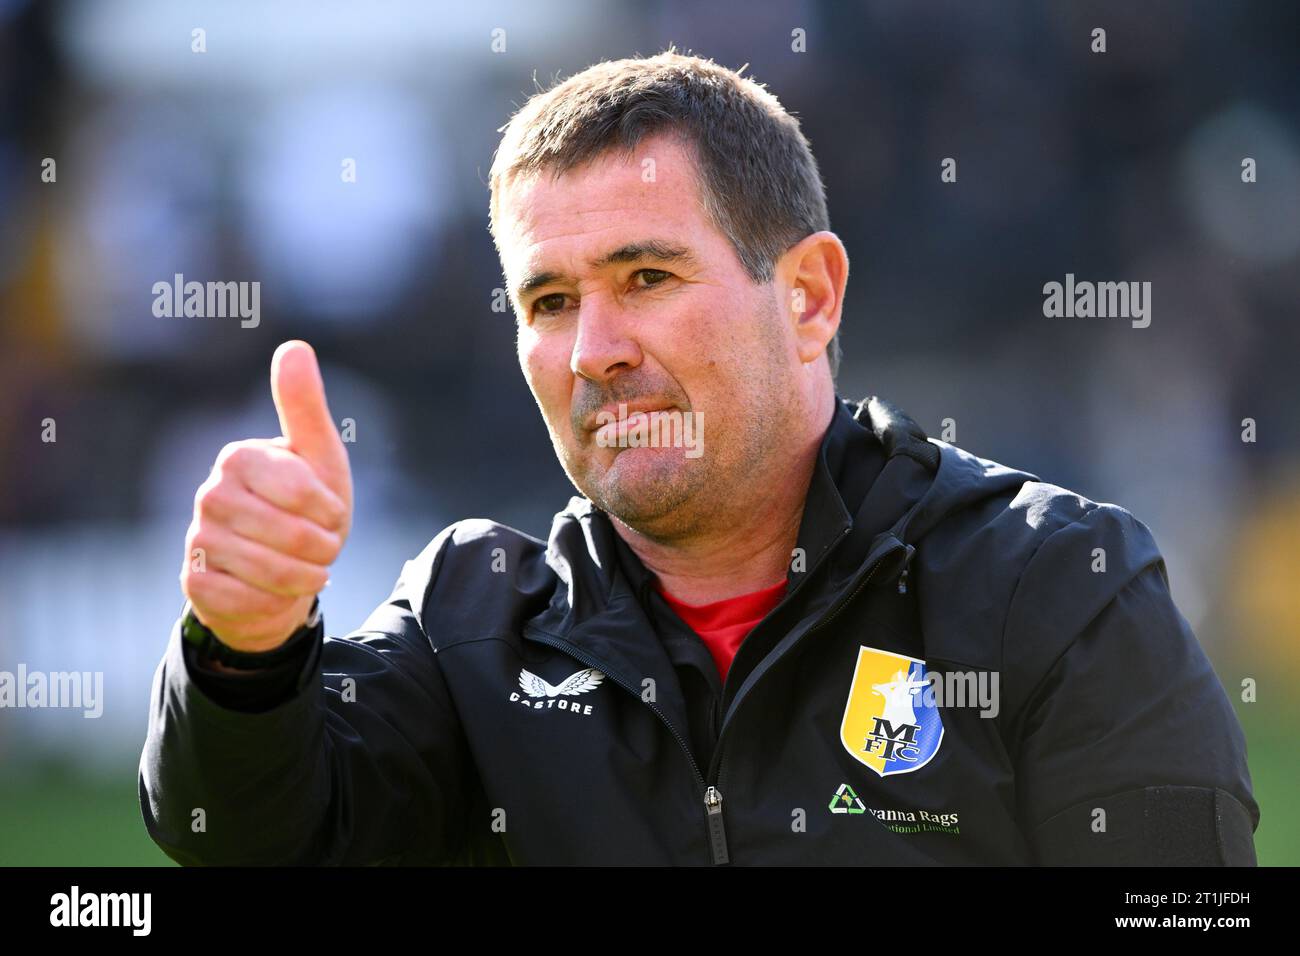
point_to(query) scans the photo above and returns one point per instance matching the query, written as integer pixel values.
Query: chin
(644, 485)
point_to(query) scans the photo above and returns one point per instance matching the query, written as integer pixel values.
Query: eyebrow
(656, 250)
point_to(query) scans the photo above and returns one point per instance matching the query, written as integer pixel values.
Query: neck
(749, 551)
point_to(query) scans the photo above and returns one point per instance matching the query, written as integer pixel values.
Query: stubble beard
(662, 494)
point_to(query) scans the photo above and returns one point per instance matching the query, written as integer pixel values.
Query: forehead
(553, 223)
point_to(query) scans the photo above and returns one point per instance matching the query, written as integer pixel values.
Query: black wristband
(210, 648)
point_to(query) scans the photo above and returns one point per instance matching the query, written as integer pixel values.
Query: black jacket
(530, 702)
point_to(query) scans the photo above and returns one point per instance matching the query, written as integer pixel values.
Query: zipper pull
(717, 833)
(907, 560)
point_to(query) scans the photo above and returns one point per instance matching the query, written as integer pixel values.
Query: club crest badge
(890, 724)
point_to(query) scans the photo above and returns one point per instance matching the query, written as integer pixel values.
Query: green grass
(53, 815)
(1271, 754)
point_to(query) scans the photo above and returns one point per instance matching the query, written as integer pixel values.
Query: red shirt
(724, 624)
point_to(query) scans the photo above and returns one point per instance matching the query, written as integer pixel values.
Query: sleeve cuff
(265, 686)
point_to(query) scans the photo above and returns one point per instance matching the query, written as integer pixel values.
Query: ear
(812, 275)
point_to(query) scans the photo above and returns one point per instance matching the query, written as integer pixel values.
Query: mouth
(613, 424)
(624, 412)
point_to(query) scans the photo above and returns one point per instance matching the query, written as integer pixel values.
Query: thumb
(299, 395)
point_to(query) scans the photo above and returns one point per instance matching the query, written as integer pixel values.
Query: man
(794, 630)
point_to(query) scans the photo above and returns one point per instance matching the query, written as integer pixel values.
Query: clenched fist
(272, 516)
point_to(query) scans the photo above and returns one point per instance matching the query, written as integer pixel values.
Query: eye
(556, 300)
(653, 276)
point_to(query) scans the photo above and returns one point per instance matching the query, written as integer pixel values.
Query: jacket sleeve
(365, 762)
(1127, 749)
(263, 686)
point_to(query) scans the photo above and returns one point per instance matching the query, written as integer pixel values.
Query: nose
(603, 347)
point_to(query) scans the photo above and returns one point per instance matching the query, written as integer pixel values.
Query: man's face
(627, 293)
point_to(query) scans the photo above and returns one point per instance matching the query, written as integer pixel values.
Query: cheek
(545, 364)
(703, 339)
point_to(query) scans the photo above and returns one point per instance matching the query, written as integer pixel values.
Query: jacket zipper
(715, 808)
(717, 832)
(712, 798)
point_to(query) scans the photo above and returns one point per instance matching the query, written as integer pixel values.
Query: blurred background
(226, 165)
